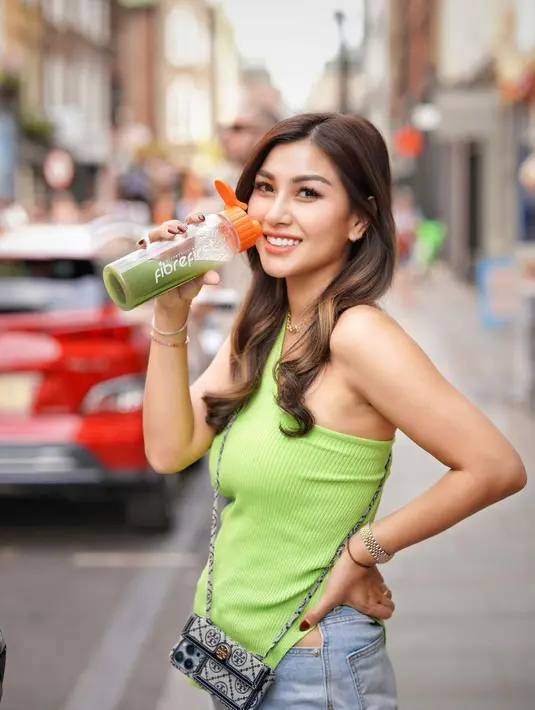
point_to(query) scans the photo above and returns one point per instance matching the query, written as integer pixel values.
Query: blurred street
(119, 115)
(91, 611)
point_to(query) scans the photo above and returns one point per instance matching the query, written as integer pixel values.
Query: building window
(187, 112)
(186, 38)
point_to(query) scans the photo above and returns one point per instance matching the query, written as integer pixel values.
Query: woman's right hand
(178, 299)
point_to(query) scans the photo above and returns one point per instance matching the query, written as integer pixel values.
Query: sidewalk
(463, 636)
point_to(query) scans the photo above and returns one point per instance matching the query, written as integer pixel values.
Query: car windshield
(28, 285)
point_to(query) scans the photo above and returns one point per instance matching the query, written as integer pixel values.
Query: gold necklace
(296, 328)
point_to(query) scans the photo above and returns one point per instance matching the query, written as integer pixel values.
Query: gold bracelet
(373, 547)
(169, 332)
(169, 345)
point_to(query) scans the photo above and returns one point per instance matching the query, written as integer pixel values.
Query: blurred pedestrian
(64, 208)
(239, 137)
(300, 408)
(406, 222)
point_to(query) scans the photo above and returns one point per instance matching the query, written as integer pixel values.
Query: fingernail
(305, 625)
(182, 228)
(201, 217)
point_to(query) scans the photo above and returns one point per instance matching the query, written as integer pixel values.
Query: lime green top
(293, 501)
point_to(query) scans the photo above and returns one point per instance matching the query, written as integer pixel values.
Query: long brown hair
(358, 152)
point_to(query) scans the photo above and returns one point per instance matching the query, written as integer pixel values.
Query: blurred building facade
(198, 77)
(57, 57)
(134, 71)
(412, 55)
(476, 133)
(459, 131)
(24, 129)
(376, 79)
(78, 58)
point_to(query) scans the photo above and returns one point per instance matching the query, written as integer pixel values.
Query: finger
(387, 593)
(316, 614)
(211, 278)
(194, 218)
(167, 230)
(386, 603)
(175, 227)
(380, 610)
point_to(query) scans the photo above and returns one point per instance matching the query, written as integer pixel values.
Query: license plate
(17, 392)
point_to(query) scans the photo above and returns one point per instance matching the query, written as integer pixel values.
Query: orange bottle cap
(249, 230)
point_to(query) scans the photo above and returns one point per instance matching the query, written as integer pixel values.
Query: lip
(273, 249)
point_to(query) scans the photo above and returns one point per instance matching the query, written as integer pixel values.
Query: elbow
(510, 477)
(162, 462)
(517, 477)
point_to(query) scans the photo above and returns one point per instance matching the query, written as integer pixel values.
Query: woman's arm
(174, 414)
(384, 365)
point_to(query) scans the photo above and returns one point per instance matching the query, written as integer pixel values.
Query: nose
(279, 211)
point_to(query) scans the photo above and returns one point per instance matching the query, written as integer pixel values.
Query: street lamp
(343, 63)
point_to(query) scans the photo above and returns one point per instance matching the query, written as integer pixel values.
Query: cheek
(324, 227)
(257, 208)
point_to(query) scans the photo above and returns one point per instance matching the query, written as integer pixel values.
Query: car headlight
(121, 394)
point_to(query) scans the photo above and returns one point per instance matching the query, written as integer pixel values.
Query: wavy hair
(359, 154)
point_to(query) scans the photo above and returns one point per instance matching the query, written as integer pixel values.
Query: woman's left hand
(349, 584)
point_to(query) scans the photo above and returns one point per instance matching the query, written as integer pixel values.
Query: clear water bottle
(147, 273)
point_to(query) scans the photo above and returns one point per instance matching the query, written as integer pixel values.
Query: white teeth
(279, 242)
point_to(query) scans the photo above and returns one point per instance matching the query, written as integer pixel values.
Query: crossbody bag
(238, 678)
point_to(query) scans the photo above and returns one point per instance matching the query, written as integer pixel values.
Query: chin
(276, 267)
(279, 266)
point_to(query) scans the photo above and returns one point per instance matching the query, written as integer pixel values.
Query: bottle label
(184, 261)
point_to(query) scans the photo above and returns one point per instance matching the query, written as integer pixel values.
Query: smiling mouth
(282, 241)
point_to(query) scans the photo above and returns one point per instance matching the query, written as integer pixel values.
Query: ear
(358, 231)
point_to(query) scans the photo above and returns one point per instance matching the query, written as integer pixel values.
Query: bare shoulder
(362, 328)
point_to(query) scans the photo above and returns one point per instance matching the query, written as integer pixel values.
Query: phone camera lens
(179, 657)
(190, 649)
(188, 664)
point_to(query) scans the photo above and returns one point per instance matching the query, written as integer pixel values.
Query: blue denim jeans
(351, 670)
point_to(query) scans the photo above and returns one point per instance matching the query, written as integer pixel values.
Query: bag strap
(213, 529)
(317, 583)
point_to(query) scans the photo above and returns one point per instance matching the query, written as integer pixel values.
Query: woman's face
(304, 211)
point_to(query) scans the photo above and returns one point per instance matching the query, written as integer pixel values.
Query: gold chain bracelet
(167, 344)
(373, 547)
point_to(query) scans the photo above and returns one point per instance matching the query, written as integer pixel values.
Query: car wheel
(153, 508)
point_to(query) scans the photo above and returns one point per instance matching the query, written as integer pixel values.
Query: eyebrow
(299, 178)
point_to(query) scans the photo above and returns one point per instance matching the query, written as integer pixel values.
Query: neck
(304, 290)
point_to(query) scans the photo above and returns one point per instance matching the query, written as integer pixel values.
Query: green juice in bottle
(145, 273)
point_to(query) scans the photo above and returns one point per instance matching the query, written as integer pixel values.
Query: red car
(71, 378)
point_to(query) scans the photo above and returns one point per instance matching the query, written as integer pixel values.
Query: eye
(308, 192)
(262, 186)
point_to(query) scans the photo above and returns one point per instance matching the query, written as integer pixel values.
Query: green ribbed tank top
(293, 501)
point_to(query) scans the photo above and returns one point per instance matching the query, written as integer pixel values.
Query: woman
(322, 379)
